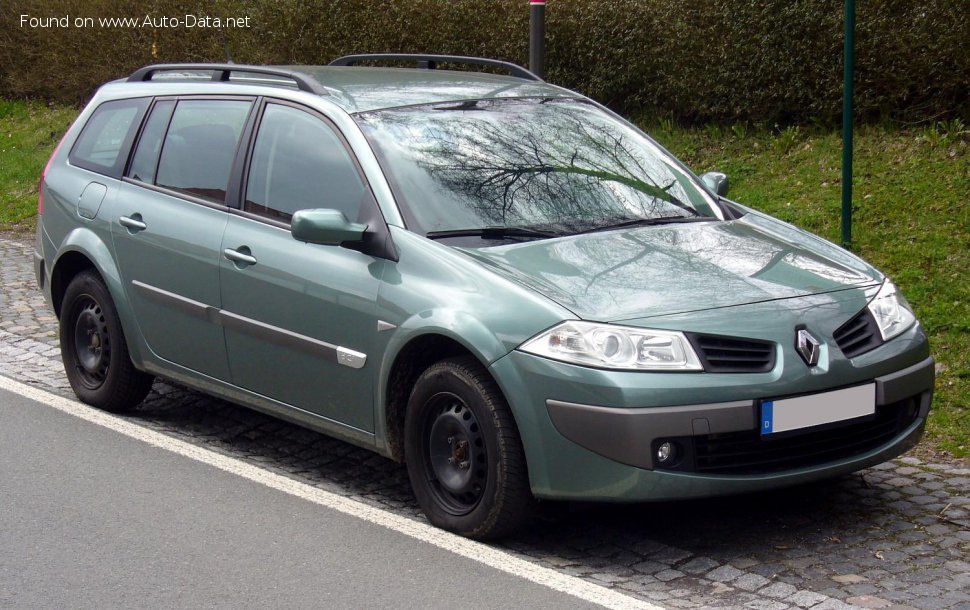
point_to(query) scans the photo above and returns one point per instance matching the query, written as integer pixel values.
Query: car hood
(668, 269)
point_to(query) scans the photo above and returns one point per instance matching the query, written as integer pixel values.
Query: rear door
(168, 227)
(300, 318)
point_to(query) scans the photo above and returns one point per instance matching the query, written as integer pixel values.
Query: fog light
(666, 453)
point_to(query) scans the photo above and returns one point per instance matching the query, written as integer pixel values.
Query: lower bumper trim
(627, 435)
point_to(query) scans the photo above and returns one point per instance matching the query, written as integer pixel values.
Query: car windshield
(551, 166)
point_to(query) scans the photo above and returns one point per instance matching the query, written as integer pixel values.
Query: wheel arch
(83, 250)
(412, 351)
(412, 360)
(67, 267)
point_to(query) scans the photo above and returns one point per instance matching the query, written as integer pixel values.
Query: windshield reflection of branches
(526, 166)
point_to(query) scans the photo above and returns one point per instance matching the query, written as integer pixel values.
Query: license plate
(817, 409)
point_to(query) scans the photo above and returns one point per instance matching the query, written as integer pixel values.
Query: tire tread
(514, 506)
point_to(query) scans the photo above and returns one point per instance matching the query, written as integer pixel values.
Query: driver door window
(299, 163)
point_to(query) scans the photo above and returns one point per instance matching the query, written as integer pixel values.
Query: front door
(300, 318)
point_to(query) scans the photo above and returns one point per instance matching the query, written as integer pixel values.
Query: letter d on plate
(767, 417)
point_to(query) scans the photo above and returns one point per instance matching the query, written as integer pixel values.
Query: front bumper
(629, 435)
(589, 434)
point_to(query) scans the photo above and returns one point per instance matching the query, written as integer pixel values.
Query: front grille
(732, 355)
(748, 452)
(858, 335)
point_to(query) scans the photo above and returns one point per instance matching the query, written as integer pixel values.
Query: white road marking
(470, 549)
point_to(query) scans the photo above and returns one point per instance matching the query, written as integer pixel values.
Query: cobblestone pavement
(893, 536)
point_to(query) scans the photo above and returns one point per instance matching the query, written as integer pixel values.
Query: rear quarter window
(106, 138)
(149, 145)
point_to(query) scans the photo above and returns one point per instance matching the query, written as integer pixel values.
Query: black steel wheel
(463, 452)
(455, 453)
(92, 342)
(93, 347)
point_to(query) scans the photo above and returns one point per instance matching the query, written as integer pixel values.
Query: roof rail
(430, 62)
(221, 72)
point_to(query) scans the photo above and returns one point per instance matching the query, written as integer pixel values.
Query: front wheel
(463, 452)
(93, 348)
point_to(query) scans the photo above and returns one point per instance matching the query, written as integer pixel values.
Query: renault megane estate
(495, 280)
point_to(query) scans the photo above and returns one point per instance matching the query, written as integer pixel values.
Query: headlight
(891, 311)
(615, 347)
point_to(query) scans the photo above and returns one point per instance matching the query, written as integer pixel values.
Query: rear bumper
(41, 271)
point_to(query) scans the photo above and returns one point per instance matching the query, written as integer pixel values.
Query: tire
(463, 452)
(94, 350)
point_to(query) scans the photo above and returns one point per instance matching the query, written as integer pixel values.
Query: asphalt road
(90, 518)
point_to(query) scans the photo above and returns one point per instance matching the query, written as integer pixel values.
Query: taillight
(40, 185)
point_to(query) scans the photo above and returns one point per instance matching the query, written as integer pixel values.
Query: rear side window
(200, 146)
(106, 138)
(300, 163)
(150, 143)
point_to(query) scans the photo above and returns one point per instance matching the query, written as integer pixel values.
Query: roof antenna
(225, 45)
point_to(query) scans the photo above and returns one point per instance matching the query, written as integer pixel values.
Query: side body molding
(255, 328)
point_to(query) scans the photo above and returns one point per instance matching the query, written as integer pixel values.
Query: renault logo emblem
(808, 347)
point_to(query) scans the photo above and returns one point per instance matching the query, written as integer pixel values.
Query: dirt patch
(927, 453)
(25, 237)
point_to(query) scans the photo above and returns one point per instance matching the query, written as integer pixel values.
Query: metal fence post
(847, 92)
(537, 36)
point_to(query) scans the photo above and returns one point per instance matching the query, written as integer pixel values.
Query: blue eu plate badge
(767, 416)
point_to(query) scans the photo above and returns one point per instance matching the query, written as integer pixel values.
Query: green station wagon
(493, 279)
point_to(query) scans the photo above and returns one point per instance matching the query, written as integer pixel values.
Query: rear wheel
(93, 348)
(463, 452)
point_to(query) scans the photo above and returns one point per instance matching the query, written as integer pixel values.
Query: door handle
(133, 223)
(243, 258)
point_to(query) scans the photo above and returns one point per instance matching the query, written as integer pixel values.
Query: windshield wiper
(646, 222)
(492, 233)
(466, 105)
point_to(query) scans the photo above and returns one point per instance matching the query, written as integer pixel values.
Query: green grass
(912, 219)
(28, 134)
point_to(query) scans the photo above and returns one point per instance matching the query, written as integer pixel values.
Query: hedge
(692, 60)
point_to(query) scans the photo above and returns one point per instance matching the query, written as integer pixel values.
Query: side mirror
(326, 227)
(717, 182)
